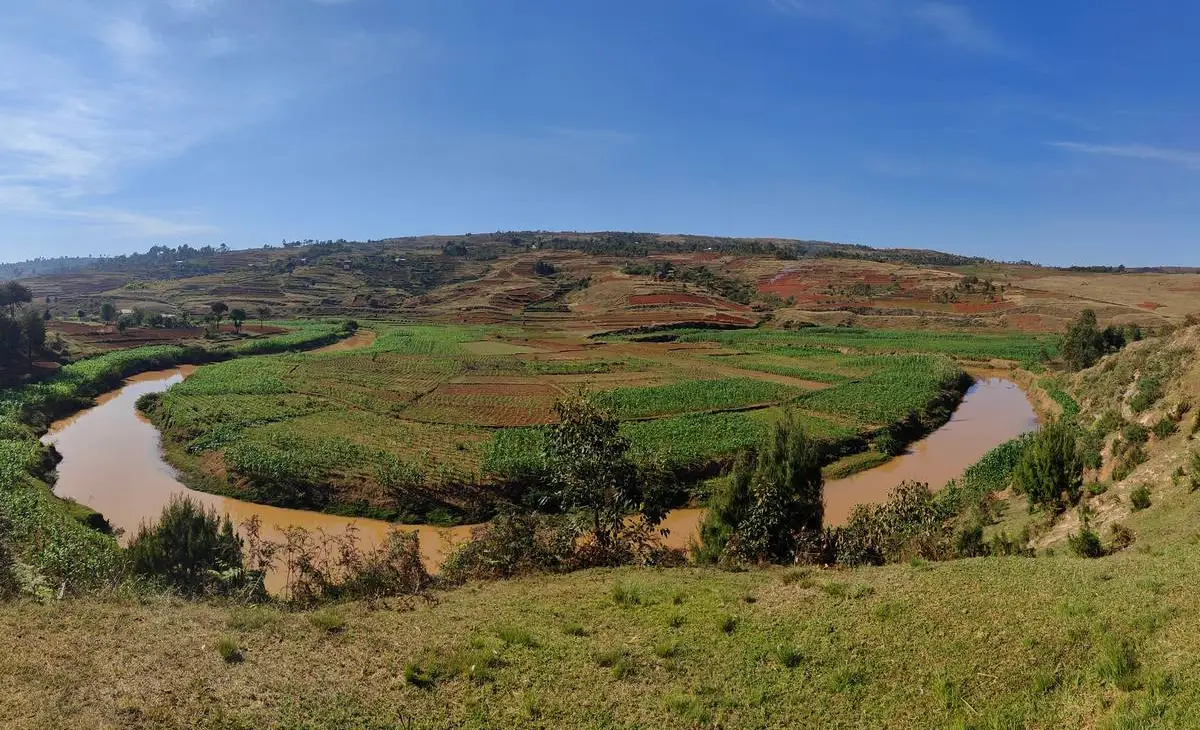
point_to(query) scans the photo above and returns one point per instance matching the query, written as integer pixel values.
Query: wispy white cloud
(1189, 159)
(91, 95)
(948, 23)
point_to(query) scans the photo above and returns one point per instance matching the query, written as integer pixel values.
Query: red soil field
(666, 299)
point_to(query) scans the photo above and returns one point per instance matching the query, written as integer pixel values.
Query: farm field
(423, 424)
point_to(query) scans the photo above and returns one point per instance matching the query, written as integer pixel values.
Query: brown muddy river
(112, 463)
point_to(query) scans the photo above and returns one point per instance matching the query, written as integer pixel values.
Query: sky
(1063, 132)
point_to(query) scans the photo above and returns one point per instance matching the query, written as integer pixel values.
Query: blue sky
(1063, 132)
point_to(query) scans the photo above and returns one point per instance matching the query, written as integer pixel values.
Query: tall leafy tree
(33, 333)
(218, 310)
(591, 473)
(1084, 343)
(237, 316)
(13, 293)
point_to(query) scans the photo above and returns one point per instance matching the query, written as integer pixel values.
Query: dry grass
(1047, 642)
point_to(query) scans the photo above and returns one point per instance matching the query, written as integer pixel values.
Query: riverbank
(127, 480)
(59, 546)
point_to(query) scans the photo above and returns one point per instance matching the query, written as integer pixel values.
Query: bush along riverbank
(57, 547)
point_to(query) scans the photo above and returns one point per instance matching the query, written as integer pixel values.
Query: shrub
(323, 567)
(1139, 498)
(666, 649)
(968, 542)
(1164, 427)
(887, 443)
(911, 523)
(1119, 537)
(228, 649)
(8, 578)
(768, 501)
(512, 545)
(190, 549)
(1149, 390)
(609, 658)
(1051, 471)
(1135, 433)
(727, 623)
(575, 630)
(1108, 422)
(1130, 460)
(1095, 489)
(1086, 544)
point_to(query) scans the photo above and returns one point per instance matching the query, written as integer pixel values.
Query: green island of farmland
(424, 424)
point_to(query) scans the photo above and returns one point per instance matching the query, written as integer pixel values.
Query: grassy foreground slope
(984, 643)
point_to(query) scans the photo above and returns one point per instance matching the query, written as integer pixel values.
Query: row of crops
(967, 345)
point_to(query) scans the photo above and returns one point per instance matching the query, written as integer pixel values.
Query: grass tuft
(513, 636)
(229, 651)
(1117, 662)
(328, 620)
(627, 595)
(788, 656)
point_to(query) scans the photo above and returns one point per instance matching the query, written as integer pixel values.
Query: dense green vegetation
(424, 401)
(59, 546)
(967, 345)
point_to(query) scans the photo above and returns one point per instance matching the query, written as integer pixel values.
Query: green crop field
(1018, 347)
(454, 421)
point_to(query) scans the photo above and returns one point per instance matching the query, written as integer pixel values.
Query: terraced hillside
(595, 282)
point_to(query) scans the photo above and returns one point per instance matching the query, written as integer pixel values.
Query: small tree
(237, 316)
(13, 293)
(218, 310)
(33, 333)
(1083, 344)
(264, 313)
(590, 470)
(187, 548)
(771, 500)
(108, 312)
(1051, 471)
